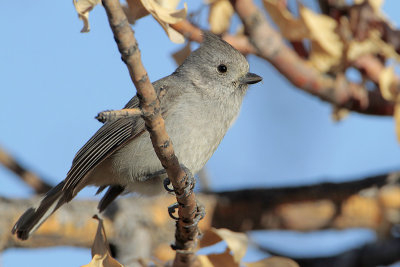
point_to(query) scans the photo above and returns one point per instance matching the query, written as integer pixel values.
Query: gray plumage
(202, 99)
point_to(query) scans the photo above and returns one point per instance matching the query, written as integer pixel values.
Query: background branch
(30, 178)
(381, 253)
(139, 228)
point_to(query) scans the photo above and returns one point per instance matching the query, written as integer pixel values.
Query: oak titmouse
(201, 100)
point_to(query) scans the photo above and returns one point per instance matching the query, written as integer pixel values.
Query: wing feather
(109, 138)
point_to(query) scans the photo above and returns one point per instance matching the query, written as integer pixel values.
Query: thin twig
(193, 33)
(110, 115)
(30, 178)
(149, 102)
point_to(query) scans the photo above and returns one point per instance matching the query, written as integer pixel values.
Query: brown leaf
(134, 10)
(100, 250)
(237, 242)
(372, 45)
(218, 260)
(339, 113)
(397, 118)
(291, 28)
(386, 79)
(166, 14)
(326, 46)
(273, 262)
(180, 55)
(83, 7)
(220, 15)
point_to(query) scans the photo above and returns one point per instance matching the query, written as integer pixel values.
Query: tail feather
(35, 216)
(112, 193)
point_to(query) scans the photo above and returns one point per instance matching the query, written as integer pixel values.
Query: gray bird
(202, 100)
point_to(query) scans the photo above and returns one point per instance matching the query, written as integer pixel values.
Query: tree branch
(193, 33)
(30, 178)
(381, 253)
(270, 46)
(150, 105)
(370, 203)
(141, 224)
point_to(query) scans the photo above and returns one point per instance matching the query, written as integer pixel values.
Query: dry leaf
(397, 118)
(339, 113)
(221, 12)
(372, 45)
(100, 250)
(134, 10)
(326, 46)
(180, 55)
(166, 15)
(237, 242)
(225, 259)
(273, 262)
(83, 7)
(217, 260)
(291, 28)
(375, 4)
(386, 79)
(164, 11)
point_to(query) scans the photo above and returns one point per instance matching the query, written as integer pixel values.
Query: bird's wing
(109, 138)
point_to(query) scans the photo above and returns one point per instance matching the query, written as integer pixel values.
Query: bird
(201, 100)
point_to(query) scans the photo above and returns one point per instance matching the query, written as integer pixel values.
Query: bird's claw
(190, 183)
(171, 211)
(167, 182)
(200, 213)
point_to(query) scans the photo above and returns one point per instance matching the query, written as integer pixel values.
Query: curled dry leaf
(134, 10)
(218, 260)
(273, 262)
(180, 55)
(291, 28)
(237, 242)
(100, 250)
(237, 246)
(163, 11)
(220, 15)
(372, 45)
(326, 46)
(83, 7)
(386, 79)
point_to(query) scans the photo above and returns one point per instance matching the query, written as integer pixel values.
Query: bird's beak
(251, 78)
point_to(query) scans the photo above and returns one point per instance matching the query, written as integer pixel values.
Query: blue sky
(54, 80)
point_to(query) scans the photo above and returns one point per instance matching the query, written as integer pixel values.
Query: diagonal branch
(193, 33)
(30, 178)
(150, 105)
(271, 47)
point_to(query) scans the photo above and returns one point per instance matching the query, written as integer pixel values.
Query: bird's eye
(222, 68)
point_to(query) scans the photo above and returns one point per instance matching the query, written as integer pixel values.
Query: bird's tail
(35, 216)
